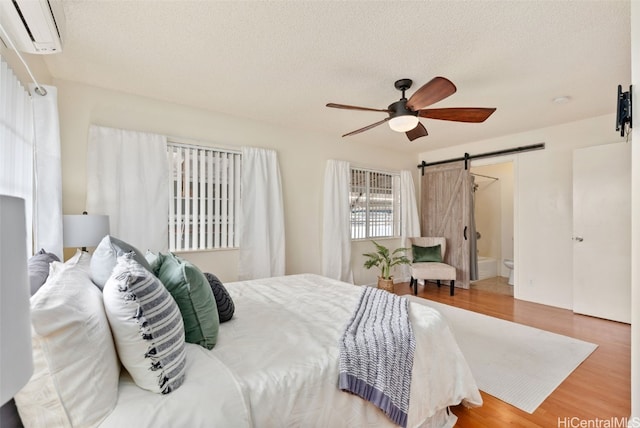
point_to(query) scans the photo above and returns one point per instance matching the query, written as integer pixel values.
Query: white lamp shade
(403, 123)
(84, 230)
(16, 361)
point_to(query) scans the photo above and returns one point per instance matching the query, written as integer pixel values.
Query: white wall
(635, 214)
(543, 205)
(494, 212)
(488, 215)
(302, 160)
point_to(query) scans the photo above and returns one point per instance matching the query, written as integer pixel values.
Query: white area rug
(518, 364)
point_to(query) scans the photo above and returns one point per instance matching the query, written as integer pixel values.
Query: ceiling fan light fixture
(403, 123)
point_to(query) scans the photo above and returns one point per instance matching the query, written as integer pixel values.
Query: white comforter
(276, 365)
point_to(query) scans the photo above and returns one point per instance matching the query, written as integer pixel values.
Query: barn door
(445, 204)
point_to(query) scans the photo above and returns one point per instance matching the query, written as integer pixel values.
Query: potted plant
(385, 260)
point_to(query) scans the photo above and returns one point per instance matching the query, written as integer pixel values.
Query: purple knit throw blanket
(376, 353)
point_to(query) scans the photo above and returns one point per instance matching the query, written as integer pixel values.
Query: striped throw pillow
(147, 326)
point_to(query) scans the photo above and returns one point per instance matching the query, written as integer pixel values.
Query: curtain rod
(466, 158)
(40, 90)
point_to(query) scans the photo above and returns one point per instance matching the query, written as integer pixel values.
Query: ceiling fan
(403, 114)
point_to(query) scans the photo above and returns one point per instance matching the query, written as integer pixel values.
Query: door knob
(578, 238)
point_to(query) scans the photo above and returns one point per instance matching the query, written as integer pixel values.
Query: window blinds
(375, 204)
(204, 198)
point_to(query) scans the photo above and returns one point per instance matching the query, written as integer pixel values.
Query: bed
(276, 365)
(275, 362)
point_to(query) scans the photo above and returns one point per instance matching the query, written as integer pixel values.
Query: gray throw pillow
(223, 299)
(38, 268)
(9, 417)
(104, 258)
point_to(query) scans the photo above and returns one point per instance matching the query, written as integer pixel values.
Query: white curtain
(16, 143)
(128, 180)
(47, 222)
(336, 228)
(262, 216)
(409, 222)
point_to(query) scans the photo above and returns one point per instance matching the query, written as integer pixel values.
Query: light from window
(204, 198)
(375, 204)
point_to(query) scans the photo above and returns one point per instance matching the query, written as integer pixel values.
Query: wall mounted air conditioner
(34, 26)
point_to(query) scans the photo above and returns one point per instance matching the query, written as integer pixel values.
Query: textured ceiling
(281, 62)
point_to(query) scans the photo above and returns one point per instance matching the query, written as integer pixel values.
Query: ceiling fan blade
(333, 105)
(366, 128)
(458, 114)
(417, 132)
(431, 92)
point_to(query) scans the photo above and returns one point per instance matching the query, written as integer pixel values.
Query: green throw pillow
(191, 291)
(426, 254)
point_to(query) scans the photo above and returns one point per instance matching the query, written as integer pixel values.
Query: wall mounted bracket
(623, 111)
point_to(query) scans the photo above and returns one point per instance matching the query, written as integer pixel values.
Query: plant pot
(386, 284)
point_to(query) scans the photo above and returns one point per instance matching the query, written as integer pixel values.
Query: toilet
(509, 263)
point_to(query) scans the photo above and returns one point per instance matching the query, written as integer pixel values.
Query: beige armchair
(434, 270)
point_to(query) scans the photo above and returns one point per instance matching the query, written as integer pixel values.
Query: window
(375, 204)
(204, 200)
(17, 146)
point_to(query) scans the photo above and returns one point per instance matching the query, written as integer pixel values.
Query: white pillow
(76, 369)
(147, 326)
(81, 259)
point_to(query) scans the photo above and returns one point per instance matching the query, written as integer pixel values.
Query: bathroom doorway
(494, 218)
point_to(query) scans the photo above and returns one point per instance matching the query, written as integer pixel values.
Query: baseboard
(395, 281)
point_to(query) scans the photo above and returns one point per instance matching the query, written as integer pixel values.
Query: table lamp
(85, 230)
(16, 361)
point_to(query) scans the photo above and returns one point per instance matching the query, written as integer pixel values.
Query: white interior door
(602, 231)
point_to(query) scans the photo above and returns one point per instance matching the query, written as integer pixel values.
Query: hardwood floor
(497, 284)
(600, 388)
